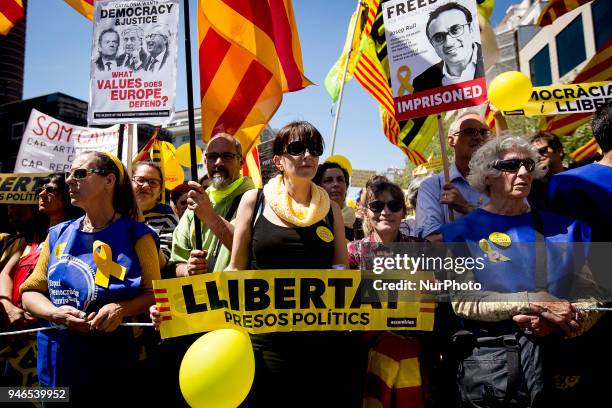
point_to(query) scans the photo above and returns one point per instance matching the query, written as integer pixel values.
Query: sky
(58, 52)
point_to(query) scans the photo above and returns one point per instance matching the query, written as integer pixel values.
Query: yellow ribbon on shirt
(103, 258)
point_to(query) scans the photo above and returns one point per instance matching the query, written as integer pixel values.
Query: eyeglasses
(513, 165)
(455, 31)
(141, 181)
(80, 174)
(225, 156)
(49, 189)
(473, 132)
(543, 151)
(393, 205)
(298, 148)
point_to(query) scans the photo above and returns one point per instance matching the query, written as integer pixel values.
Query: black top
(276, 247)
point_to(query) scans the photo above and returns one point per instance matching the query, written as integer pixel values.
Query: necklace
(87, 227)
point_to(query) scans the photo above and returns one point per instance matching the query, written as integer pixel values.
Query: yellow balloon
(218, 370)
(173, 173)
(510, 90)
(184, 155)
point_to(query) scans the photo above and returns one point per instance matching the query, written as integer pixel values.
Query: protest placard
(361, 177)
(133, 66)
(50, 145)
(564, 99)
(435, 56)
(20, 188)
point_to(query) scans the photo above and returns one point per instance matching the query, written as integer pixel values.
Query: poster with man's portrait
(133, 64)
(435, 56)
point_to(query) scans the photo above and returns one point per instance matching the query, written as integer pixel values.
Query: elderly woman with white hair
(529, 269)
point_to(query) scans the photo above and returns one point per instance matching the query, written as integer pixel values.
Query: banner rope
(38, 329)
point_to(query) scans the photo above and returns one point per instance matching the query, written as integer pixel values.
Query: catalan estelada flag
(557, 8)
(371, 71)
(85, 7)
(584, 151)
(11, 12)
(252, 168)
(249, 56)
(599, 68)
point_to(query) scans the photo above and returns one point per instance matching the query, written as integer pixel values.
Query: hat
(179, 190)
(342, 162)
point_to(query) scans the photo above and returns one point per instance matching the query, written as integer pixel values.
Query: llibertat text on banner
(50, 145)
(435, 56)
(133, 63)
(267, 301)
(21, 188)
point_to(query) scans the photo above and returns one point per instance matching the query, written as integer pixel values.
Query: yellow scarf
(285, 207)
(218, 195)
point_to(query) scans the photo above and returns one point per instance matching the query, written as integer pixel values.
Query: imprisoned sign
(435, 56)
(133, 66)
(286, 300)
(564, 99)
(50, 145)
(21, 188)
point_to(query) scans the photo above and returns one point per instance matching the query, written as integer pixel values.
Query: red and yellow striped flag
(85, 7)
(557, 8)
(11, 12)
(599, 68)
(252, 168)
(249, 56)
(411, 136)
(584, 151)
(490, 117)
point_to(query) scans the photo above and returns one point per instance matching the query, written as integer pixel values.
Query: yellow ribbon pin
(103, 257)
(494, 256)
(403, 76)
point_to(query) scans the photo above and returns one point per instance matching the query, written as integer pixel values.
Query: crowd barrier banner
(564, 99)
(133, 63)
(20, 188)
(435, 56)
(50, 145)
(287, 300)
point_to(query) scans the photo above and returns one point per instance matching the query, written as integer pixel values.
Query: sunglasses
(393, 205)
(49, 189)
(513, 165)
(225, 156)
(543, 151)
(473, 132)
(298, 148)
(80, 174)
(141, 181)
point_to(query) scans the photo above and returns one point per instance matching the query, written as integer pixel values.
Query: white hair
(495, 149)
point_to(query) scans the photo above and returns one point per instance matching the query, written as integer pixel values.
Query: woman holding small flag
(92, 273)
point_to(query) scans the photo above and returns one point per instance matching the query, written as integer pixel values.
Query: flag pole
(346, 64)
(120, 141)
(445, 165)
(192, 141)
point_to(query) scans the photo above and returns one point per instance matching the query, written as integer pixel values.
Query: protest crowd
(491, 189)
(486, 283)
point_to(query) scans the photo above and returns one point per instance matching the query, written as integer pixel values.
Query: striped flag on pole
(557, 8)
(490, 117)
(412, 136)
(599, 68)
(249, 56)
(85, 7)
(11, 12)
(584, 151)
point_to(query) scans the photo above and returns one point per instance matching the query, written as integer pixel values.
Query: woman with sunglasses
(533, 278)
(148, 185)
(93, 272)
(293, 224)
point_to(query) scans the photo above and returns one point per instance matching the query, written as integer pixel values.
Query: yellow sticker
(325, 234)
(500, 239)
(59, 249)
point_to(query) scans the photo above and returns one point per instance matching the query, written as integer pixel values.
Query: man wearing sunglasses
(435, 198)
(215, 207)
(449, 31)
(550, 159)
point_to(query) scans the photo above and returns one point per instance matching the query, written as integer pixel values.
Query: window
(570, 46)
(602, 13)
(539, 67)
(17, 130)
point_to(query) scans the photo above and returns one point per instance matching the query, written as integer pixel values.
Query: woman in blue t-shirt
(93, 272)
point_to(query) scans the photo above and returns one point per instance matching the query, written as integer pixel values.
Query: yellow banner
(20, 188)
(293, 300)
(564, 99)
